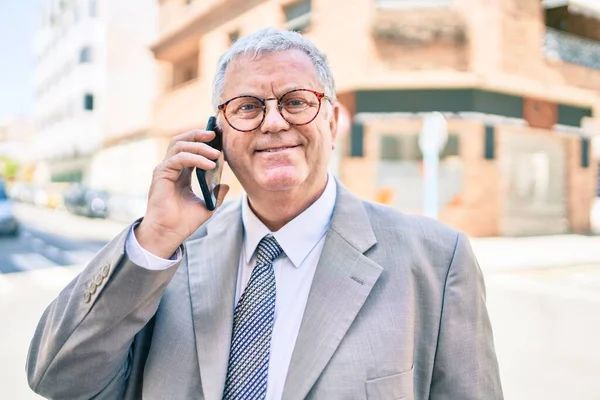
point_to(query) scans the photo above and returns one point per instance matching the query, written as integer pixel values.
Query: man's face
(277, 156)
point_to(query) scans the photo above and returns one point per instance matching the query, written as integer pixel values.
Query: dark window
(297, 15)
(489, 145)
(390, 148)
(356, 140)
(3, 195)
(557, 18)
(85, 55)
(88, 101)
(185, 70)
(585, 152)
(406, 147)
(233, 37)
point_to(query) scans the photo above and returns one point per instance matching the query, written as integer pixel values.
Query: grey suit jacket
(396, 311)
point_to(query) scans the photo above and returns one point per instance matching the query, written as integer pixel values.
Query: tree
(8, 168)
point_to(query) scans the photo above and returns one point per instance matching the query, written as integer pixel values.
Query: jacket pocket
(392, 387)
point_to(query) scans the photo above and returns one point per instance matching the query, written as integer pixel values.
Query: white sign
(432, 141)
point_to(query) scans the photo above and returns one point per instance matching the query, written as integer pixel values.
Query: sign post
(432, 141)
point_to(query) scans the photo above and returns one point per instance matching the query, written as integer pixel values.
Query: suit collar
(351, 222)
(343, 281)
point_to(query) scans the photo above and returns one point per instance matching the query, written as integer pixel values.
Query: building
(96, 85)
(15, 140)
(517, 81)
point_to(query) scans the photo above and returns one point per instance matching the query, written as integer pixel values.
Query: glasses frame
(320, 96)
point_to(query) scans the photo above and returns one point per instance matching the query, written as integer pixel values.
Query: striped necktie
(248, 367)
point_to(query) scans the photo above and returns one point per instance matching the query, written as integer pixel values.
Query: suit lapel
(343, 280)
(213, 262)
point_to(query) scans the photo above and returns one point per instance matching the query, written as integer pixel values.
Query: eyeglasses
(297, 107)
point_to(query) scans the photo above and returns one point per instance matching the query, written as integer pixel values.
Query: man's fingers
(193, 147)
(195, 135)
(171, 168)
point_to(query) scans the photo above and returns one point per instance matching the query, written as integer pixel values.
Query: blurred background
(91, 91)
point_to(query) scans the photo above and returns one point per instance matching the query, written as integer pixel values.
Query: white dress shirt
(302, 241)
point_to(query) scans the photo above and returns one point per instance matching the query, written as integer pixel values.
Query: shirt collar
(299, 236)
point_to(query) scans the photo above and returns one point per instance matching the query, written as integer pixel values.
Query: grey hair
(272, 40)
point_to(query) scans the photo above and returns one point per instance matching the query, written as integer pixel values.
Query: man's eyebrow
(287, 88)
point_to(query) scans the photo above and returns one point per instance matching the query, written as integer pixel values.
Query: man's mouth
(275, 149)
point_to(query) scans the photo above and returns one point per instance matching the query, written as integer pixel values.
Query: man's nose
(274, 121)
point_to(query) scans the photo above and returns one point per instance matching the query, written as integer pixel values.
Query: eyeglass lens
(297, 107)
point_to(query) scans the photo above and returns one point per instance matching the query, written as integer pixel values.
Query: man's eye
(248, 107)
(295, 103)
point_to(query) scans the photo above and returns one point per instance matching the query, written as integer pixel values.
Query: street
(53, 238)
(543, 298)
(35, 249)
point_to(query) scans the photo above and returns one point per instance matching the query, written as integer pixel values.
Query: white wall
(131, 85)
(125, 169)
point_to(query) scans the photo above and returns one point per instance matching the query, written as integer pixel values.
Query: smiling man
(299, 290)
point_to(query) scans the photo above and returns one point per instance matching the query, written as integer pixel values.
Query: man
(301, 290)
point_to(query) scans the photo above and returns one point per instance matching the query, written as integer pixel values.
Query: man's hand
(174, 212)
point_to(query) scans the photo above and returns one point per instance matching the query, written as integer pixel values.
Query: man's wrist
(156, 241)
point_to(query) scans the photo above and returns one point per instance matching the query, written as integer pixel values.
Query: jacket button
(93, 288)
(105, 270)
(98, 279)
(87, 296)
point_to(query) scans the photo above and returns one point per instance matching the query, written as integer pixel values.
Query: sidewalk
(503, 254)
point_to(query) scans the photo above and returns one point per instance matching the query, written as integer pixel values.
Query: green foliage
(9, 168)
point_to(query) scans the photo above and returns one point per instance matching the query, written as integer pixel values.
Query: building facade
(96, 84)
(517, 81)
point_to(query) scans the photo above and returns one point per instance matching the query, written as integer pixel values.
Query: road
(543, 301)
(53, 238)
(35, 249)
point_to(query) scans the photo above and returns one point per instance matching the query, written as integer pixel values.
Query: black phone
(210, 180)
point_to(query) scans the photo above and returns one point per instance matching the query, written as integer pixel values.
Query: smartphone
(210, 180)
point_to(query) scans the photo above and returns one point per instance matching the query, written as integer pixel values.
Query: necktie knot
(268, 250)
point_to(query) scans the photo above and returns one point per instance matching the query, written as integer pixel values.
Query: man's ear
(333, 122)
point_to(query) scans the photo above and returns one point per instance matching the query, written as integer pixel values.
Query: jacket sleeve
(465, 365)
(82, 347)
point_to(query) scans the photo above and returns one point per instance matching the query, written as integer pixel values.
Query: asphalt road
(35, 249)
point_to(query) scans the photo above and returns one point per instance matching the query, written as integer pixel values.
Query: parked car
(8, 222)
(81, 200)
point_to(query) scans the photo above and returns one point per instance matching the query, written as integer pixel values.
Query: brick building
(517, 81)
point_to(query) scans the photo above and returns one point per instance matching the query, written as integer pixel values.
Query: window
(88, 101)
(233, 37)
(185, 70)
(85, 55)
(406, 148)
(297, 15)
